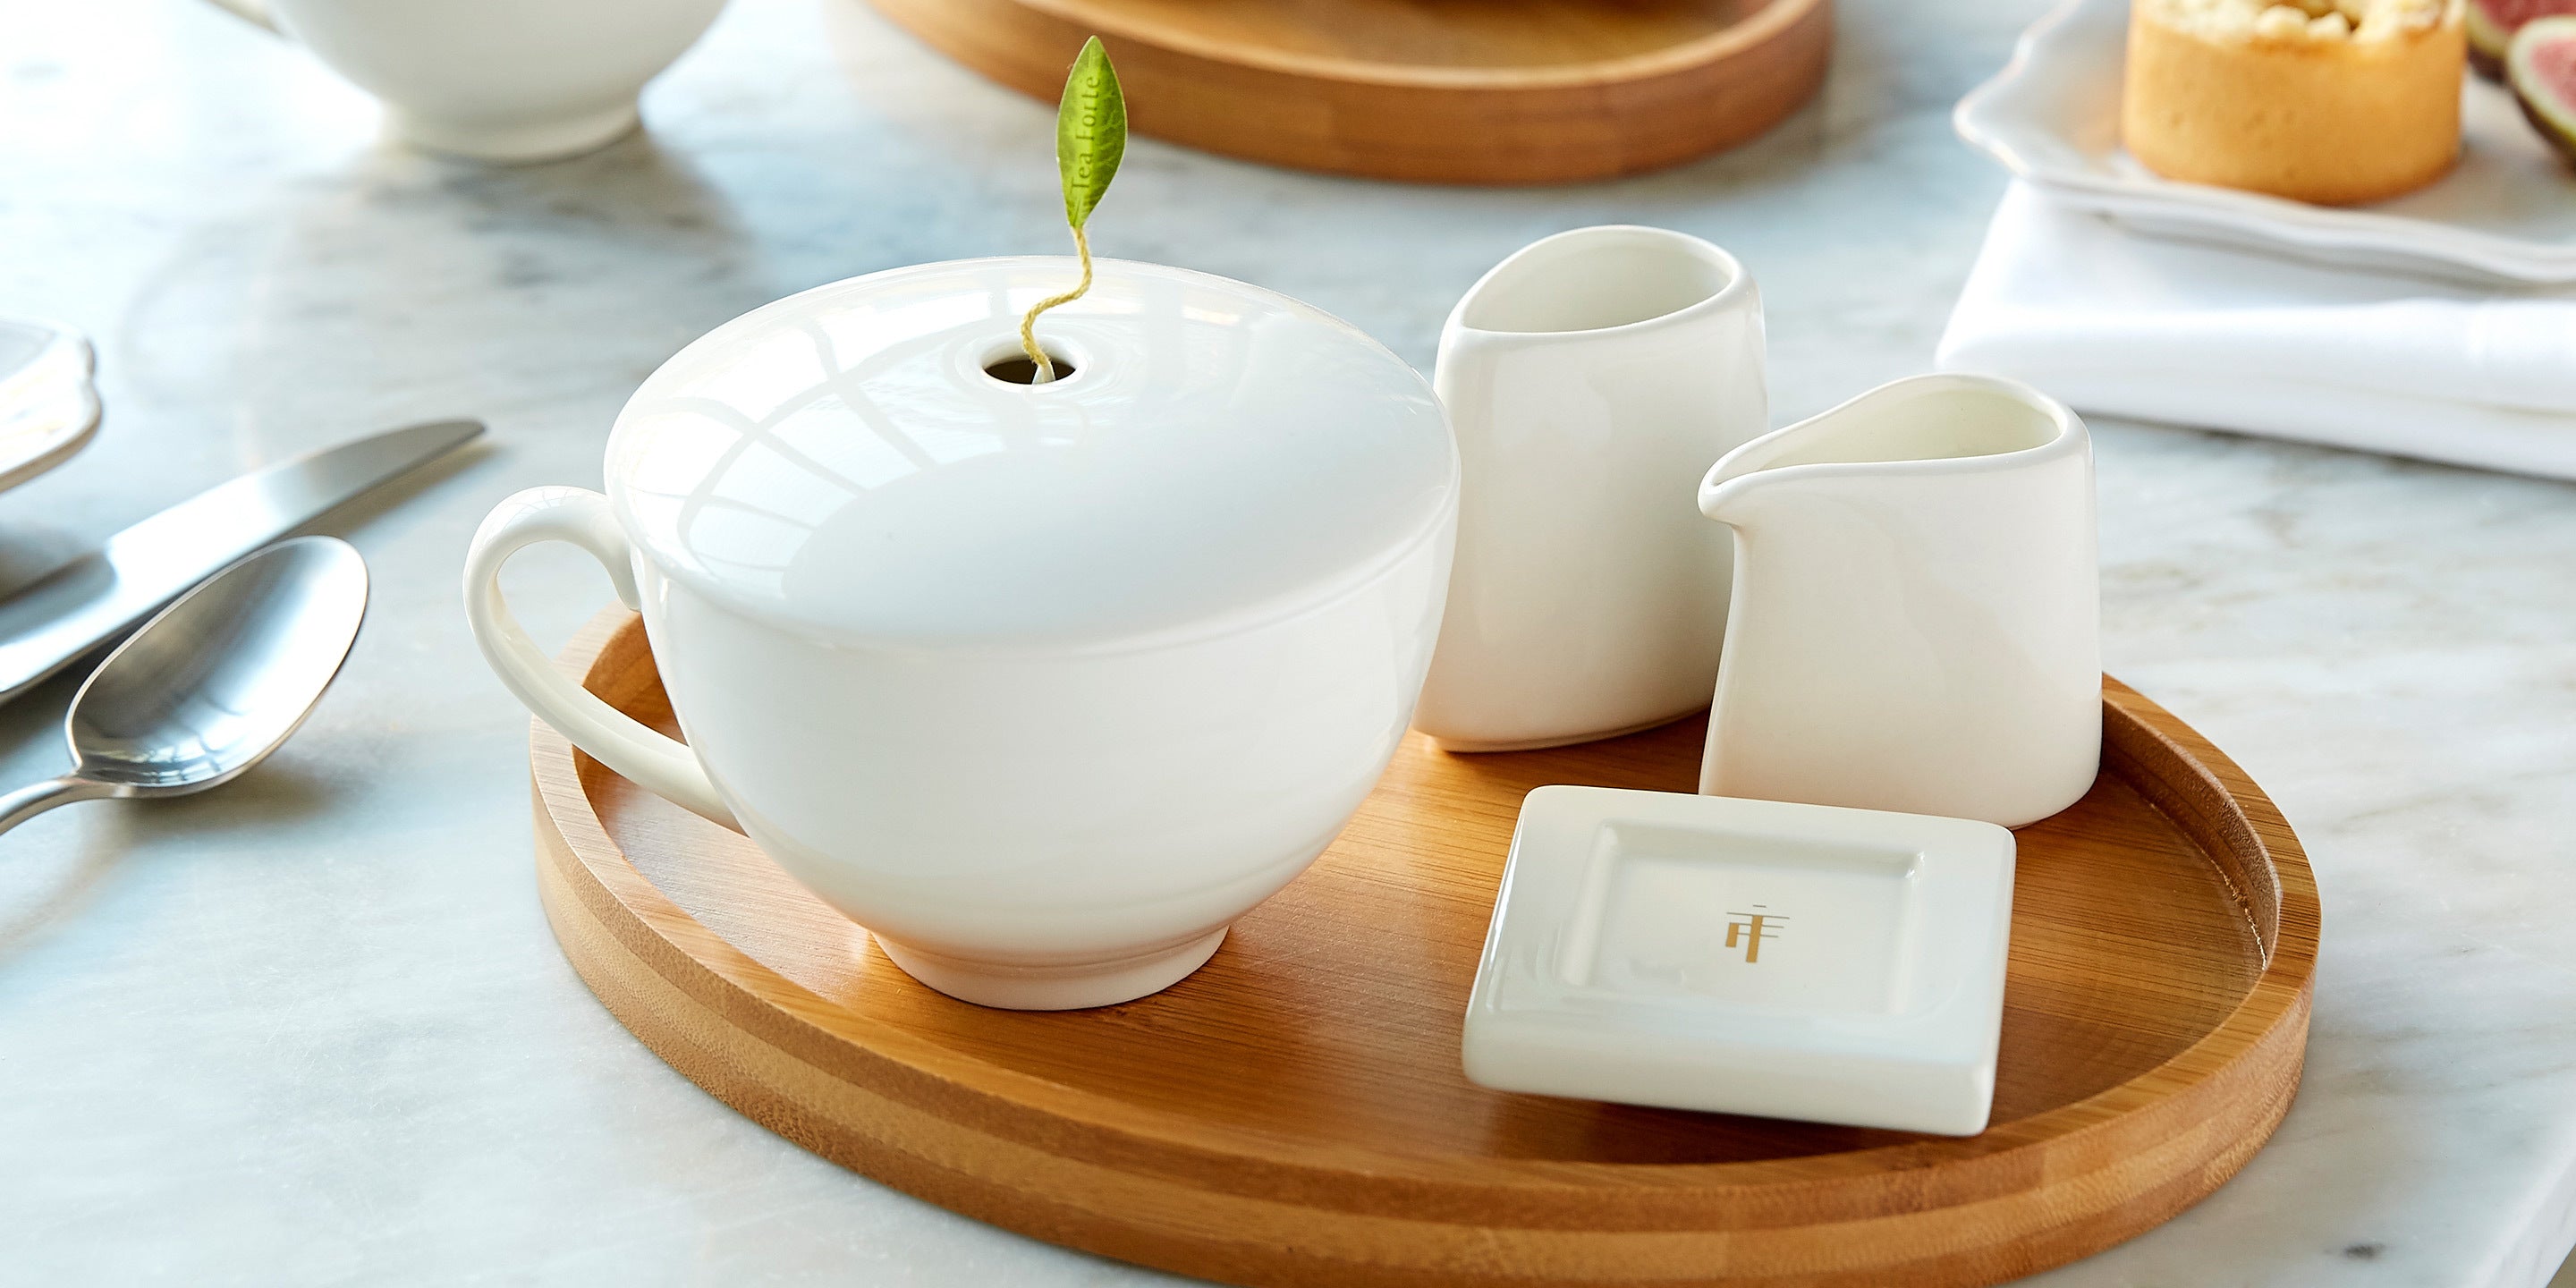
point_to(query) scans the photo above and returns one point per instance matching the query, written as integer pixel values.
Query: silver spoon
(213, 683)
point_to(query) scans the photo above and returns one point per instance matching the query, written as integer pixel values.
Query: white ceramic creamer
(1916, 617)
(1042, 684)
(1593, 377)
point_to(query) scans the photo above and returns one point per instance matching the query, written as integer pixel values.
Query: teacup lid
(841, 461)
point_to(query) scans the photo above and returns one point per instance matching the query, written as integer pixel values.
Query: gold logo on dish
(1751, 929)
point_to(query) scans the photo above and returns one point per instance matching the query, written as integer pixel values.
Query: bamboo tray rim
(1248, 1161)
(1754, 29)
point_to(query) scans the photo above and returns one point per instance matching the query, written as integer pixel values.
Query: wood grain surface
(1444, 91)
(1294, 1113)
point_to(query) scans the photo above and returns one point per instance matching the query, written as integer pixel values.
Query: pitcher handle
(660, 765)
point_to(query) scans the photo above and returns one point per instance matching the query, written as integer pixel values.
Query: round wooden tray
(1294, 1112)
(1497, 91)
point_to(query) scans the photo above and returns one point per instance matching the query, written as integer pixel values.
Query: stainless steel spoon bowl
(214, 682)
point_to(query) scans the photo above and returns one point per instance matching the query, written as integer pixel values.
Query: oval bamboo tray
(1294, 1113)
(1494, 91)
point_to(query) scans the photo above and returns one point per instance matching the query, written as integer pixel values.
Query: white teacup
(499, 80)
(1042, 684)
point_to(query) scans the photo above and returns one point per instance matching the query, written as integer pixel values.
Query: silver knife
(95, 598)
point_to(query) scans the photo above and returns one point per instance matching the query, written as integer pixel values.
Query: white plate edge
(2242, 217)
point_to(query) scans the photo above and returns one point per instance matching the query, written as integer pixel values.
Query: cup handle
(660, 765)
(254, 12)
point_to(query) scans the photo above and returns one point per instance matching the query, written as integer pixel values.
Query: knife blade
(97, 597)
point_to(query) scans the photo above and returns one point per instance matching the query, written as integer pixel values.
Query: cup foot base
(1472, 746)
(1056, 988)
(523, 144)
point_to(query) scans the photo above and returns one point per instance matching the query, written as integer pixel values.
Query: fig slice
(2492, 24)
(2541, 68)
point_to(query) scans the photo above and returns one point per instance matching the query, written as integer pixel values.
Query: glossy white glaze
(1916, 621)
(1748, 957)
(1593, 377)
(838, 462)
(1044, 685)
(499, 80)
(337, 966)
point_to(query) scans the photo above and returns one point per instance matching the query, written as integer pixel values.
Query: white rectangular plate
(2052, 117)
(1750, 957)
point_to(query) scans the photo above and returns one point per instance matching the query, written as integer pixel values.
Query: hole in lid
(1018, 370)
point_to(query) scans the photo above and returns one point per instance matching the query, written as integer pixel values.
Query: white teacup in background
(1593, 377)
(499, 80)
(1042, 684)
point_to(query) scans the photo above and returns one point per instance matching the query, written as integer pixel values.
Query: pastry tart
(2328, 101)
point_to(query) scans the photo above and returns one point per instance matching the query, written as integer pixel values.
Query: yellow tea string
(1029, 324)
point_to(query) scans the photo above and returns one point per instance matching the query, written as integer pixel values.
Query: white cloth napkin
(2124, 325)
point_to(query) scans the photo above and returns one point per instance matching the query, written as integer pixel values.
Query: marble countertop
(312, 1028)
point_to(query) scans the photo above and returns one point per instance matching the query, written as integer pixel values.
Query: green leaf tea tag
(1090, 132)
(1090, 140)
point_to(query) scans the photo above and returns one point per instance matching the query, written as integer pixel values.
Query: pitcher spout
(1744, 482)
(1925, 425)
(1735, 486)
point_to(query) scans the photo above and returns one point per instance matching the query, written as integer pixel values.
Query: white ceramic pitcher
(1592, 377)
(1915, 623)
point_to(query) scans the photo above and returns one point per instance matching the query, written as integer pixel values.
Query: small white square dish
(2052, 117)
(1750, 957)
